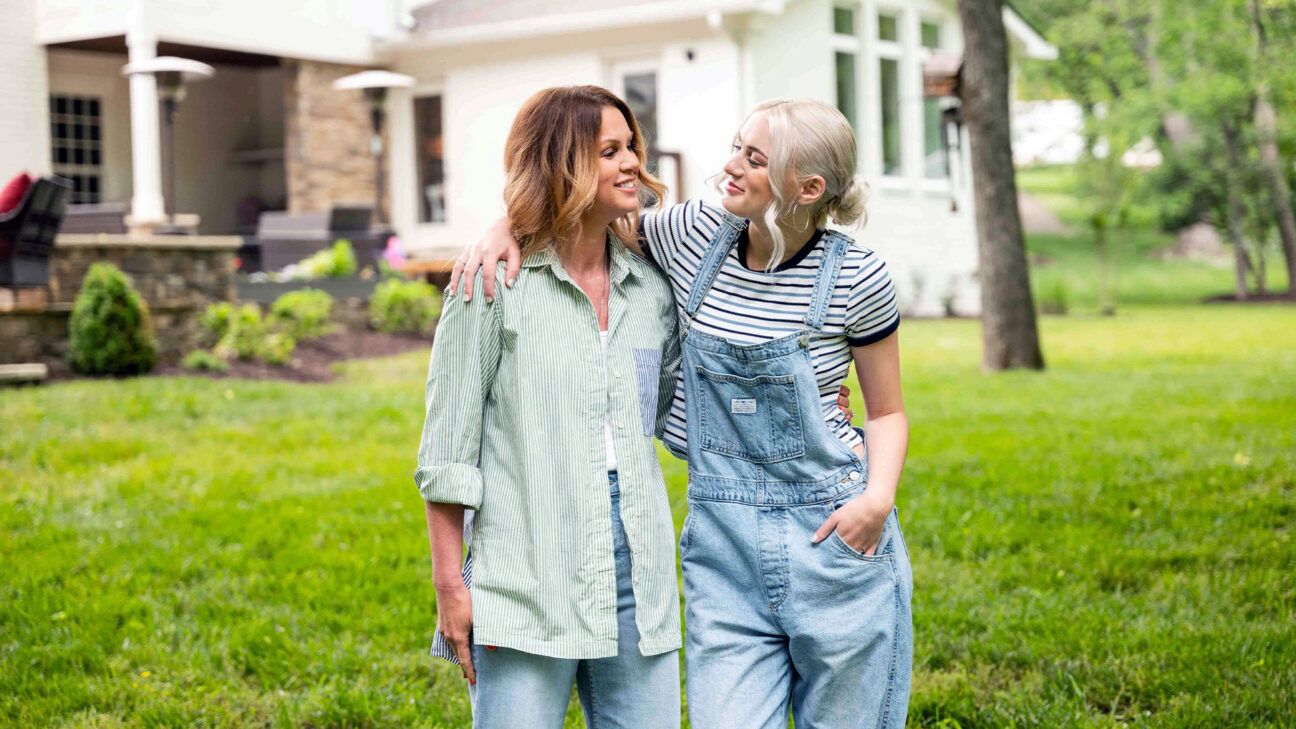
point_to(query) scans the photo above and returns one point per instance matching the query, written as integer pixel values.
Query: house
(268, 131)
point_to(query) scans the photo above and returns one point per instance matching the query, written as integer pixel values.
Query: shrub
(111, 332)
(276, 348)
(204, 361)
(404, 306)
(215, 322)
(243, 333)
(336, 262)
(302, 314)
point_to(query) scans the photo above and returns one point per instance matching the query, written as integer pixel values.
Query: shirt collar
(621, 262)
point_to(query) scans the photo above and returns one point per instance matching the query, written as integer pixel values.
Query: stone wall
(177, 276)
(327, 158)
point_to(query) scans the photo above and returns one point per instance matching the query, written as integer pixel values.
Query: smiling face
(618, 168)
(746, 189)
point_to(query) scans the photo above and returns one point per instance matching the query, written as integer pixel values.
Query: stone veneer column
(327, 159)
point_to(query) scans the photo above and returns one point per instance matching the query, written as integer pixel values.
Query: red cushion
(12, 194)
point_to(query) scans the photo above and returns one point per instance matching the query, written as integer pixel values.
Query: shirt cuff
(876, 335)
(453, 483)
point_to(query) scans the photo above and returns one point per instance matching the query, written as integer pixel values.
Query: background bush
(336, 262)
(303, 314)
(243, 333)
(410, 307)
(111, 332)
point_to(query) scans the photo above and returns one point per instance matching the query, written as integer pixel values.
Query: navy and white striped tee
(748, 307)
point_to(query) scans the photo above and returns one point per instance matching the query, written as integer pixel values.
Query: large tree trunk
(1236, 209)
(1266, 126)
(1008, 330)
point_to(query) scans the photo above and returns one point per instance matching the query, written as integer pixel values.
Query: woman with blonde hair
(542, 406)
(796, 576)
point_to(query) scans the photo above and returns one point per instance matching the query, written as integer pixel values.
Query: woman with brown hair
(542, 406)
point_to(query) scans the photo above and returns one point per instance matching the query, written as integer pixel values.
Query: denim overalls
(774, 621)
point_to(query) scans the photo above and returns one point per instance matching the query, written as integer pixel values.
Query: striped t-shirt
(749, 307)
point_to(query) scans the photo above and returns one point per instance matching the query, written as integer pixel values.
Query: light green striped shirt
(516, 400)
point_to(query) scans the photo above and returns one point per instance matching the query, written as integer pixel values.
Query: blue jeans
(516, 689)
(776, 622)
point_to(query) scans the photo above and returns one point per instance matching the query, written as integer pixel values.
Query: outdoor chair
(283, 238)
(27, 233)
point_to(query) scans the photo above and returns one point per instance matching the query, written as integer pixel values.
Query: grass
(1108, 542)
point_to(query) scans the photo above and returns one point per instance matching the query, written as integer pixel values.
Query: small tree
(111, 332)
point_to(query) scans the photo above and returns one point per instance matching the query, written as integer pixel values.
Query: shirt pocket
(647, 378)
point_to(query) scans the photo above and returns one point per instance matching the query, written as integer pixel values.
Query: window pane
(641, 97)
(890, 102)
(846, 86)
(844, 21)
(887, 28)
(930, 35)
(934, 161)
(431, 159)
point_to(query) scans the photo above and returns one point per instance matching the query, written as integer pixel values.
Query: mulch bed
(311, 361)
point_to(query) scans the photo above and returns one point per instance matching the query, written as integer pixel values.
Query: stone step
(13, 374)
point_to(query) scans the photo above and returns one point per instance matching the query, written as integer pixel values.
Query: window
(846, 47)
(930, 35)
(641, 97)
(76, 134)
(889, 83)
(935, 164)
(429, 133)
(846, 86)
(888, 28)
(844, 21)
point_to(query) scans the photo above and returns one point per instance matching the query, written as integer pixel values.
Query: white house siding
(24, 124)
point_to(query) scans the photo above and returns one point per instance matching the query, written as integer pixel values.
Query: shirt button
(854, 475)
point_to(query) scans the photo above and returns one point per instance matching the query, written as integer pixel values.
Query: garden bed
(312, 361)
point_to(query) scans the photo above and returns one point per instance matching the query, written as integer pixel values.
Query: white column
(146, 137)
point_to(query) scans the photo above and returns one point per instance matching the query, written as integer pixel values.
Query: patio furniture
(283, 238)
(27, 233)
(99, 218)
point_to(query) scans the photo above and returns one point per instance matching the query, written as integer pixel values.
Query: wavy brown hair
(551, 165)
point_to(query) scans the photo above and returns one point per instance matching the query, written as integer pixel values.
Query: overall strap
(834, 255)
(726, 236)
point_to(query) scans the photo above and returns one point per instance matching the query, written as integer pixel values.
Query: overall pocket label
(742, 405)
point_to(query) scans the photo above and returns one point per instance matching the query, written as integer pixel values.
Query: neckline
(744, 240)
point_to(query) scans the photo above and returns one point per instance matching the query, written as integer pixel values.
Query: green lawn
(1107, 542)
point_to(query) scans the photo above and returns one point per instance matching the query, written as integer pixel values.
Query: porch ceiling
(215, 56)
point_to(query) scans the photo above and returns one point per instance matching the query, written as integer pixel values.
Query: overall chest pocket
(755, 419)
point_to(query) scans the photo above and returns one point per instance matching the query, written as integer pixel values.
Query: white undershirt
(607, 415)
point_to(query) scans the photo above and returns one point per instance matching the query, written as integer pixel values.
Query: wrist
(450, 587)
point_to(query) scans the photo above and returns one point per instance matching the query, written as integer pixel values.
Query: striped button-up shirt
(516, 399)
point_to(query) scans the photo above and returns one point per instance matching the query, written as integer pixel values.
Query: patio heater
(375, 84)
(171, 74)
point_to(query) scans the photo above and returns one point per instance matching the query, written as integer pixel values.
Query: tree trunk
(1106, 303)
(1009, 335)
(1266, 124)
(1236, 210)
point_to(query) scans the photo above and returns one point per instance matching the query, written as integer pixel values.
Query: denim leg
(738, 669)
(629, 690)
(517, 689)
(850, 630)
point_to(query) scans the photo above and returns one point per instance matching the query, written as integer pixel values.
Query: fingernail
(490, 299)
(509, 283)
(472, 682)
(814, 539)
(490, 647)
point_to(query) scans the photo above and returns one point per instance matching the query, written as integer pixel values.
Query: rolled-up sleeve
(465, 355)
